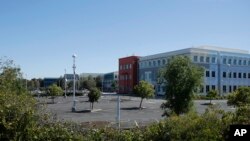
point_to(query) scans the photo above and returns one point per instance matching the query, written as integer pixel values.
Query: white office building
(225, 69)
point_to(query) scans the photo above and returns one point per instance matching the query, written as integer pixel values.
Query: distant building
(49, 81)
(225, 69)
(128, 74)
(109, 79)
(94, 75)
(70, 77)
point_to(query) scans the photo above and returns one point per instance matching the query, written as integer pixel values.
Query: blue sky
(41, 35)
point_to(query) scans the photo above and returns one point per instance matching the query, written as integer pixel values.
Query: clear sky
(41, 35)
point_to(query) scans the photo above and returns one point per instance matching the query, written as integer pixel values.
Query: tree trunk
(141, 103)
(92, 105)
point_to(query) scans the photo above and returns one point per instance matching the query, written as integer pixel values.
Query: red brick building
(128, 74)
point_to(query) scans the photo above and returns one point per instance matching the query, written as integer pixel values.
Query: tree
(182, 78)
(144, 90)
(94, 96)
(240, 97)
(114, 86)
(54, 90)
(212, 94)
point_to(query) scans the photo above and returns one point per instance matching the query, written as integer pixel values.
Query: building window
(159, 62)
(213, 59)
(224, 74)
(230, 89)
(163, 61)
(235, 62)
(207, 88)
(240, 62)
(149, 63)
(230, 61)
(120, 67)
(235, 74)
(154, 63)
(245, 62)
(207, 74)
(229, 74)
(248, 63)
(244, 75)
(224, 88)
(213, 87)
(213, 73)
(207, 59)
(224, 60)
(235, 87)
(248, 75)
(195, 58)
(239, 75)
(202, 59)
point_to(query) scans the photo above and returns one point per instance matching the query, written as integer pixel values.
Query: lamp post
(65, 85)
(74, 84)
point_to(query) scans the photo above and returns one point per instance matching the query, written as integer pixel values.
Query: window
(230, 61)
(149, 63)
(154, 63)
(224, 88)
(202, 59)
(239, 75)
(224, 61)
(235, 74)
(248, 63)
(230, 89)
(213, 87)
(244, 75)
(235, 62)
(213, 73)
(235, 87)
(248, 75)
(245, 62)
(207, 74)
(207, 88)
(120, 67)
(230, 75)
(207, 59)
(240, 62)
(195, 58)
(159, 62)
(224, 74)
(213, 59)
(163, 61)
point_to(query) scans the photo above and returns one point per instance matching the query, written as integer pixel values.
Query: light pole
(74, 84)
(65, 85)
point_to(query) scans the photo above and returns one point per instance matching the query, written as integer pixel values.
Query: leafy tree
(182, 78)
(114, 86)
(54, 90)
(11, 78)
(212, 94)
(240, 97)
(144, 90)
(94, 96)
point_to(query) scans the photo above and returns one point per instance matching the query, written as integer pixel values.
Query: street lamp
(74, 84)
(65, 84)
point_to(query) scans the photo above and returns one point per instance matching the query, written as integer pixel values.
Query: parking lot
(106, 109)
